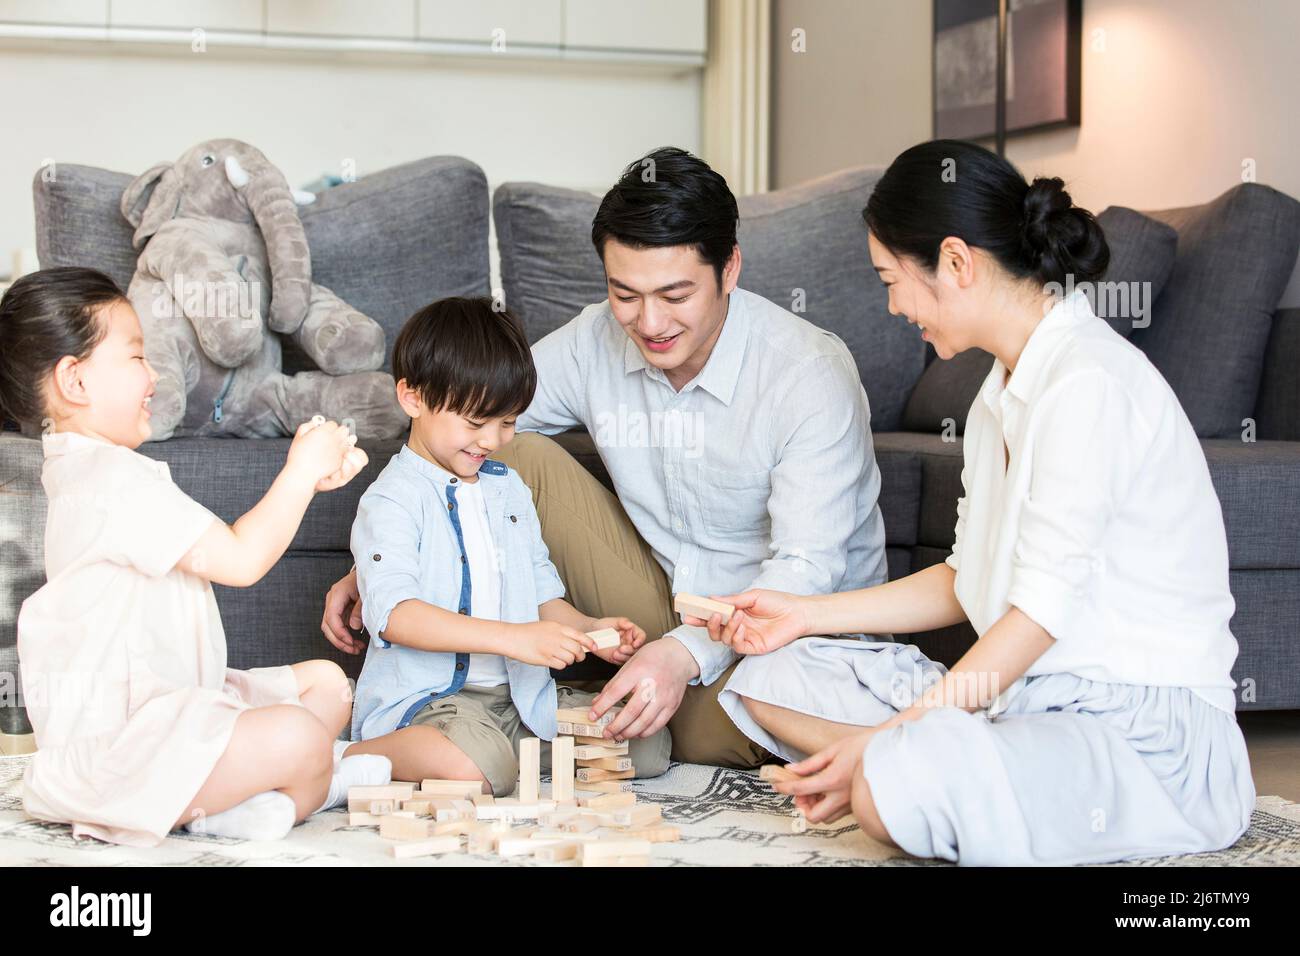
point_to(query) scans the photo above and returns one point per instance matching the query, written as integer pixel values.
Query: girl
(1093, 719)
(140, 726)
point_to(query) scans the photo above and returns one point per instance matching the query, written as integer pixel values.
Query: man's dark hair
(670, 198)
(44, 316)
(464, 356)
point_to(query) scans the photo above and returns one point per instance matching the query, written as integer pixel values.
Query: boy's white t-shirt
(485, 670)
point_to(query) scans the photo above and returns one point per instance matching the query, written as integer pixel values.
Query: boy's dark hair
(670, 198)
(44, 316)
(464, 356)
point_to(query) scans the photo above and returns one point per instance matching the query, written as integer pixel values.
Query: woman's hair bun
(1058, 238)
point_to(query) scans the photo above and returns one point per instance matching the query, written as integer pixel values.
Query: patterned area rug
(726, 818)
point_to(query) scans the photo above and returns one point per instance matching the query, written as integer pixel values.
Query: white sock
(263, 816)
(363, 770)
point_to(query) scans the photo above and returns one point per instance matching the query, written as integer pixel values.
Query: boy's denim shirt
(407, 543)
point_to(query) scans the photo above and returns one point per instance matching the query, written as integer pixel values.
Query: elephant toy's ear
(150, 201)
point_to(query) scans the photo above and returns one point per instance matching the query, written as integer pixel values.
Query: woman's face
(934, 303)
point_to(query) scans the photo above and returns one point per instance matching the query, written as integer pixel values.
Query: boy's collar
(441, 476)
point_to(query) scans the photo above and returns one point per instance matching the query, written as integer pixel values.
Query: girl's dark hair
(44, 316)
(948, 187)
(670, 198)
(464, 356)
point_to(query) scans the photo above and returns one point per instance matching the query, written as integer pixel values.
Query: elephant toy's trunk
(287, 254)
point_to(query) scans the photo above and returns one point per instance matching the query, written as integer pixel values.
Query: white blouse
(1104, 528)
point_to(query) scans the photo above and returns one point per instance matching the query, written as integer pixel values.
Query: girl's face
(107, 395)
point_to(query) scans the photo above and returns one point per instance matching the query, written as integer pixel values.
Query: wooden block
(702, 607)
(610, 801)
(554, 818)
(605, 637)
(388, 791)
(595, 775)
(501, 810)
(408, 814)
(655, 834)
(606, 786)
(429, 847)
(615, 847)
(597, 741)
(618, 861)
(484, 800)
(563, 727)
(642, 815)
(455, 827)
(596, 751)
(580, 824)
(530, 764)
(580, 715)
(516, 844)
(465, 789)
(421, 808)
(607, 763)
(587, 730)
(380, 807)
(462, 810)
(555, 852)
(363, 818)
(562, 768)
(393, 827)
(775, 773)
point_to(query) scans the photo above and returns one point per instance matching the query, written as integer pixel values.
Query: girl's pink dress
(123, 657)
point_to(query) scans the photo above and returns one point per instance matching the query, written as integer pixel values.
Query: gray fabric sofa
(396, 240)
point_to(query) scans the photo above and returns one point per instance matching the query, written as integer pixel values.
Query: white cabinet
(535, 22)
(77, 13)
(244, 15)
(676, 26)
(342, 18)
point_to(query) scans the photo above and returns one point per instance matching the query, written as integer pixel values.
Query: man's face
(669, 301)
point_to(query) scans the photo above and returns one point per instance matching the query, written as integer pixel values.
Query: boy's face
(107, 395)
(670, 303)
(454, 442)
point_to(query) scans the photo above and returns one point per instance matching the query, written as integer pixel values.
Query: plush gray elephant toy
(223, 271)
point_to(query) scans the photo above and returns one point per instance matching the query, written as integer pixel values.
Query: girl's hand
(548, 644)
(319, 449)
(353, 462)
(762, 622)
(632, 637)
(826, 791)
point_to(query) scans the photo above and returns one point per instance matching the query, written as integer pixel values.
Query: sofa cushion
(1258, 484)
(1211, 325)
(1278, 410)
(804, 248)
(1142, 255)
(388, 243)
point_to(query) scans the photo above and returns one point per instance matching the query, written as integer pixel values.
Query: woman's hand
(631, 638)
(319, 451)
(826, 791)
(762, 622)
(547, 644)
(344, 595)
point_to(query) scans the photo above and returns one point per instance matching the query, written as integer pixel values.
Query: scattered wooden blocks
(453, 827)
(580, 824)
(466, 789)
(393, 827)
(555, 852)
(379, 807)
(363, 818)
(607, 763)
(562, 768)
(595, 775)
(605, 637)
(702, 607)
(429, 847)
(655, 834)
(643, 815)
(530, 769)
(387, 791)
(609, 801)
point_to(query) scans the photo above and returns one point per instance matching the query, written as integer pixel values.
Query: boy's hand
(319, 449)
(631, 637)
(548, 644)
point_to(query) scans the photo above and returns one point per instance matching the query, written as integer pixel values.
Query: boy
(464, 607)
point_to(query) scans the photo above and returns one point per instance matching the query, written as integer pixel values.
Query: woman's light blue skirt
(1073, 771)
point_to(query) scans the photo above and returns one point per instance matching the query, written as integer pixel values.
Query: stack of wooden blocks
(591, 818)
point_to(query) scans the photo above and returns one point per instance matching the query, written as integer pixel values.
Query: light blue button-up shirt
(758, 473)
(407, 543)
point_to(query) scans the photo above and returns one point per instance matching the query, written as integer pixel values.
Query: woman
(1093, 719)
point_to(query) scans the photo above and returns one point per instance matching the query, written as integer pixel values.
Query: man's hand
(343, 596)
(631, 638)
(762, 622)
(656, 677)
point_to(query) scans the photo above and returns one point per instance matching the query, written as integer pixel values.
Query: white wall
(572, 124)
(1180, 94)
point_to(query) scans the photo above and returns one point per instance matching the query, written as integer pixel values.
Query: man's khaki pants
(610, 572)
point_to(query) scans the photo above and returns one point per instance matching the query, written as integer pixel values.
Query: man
(736, 434)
